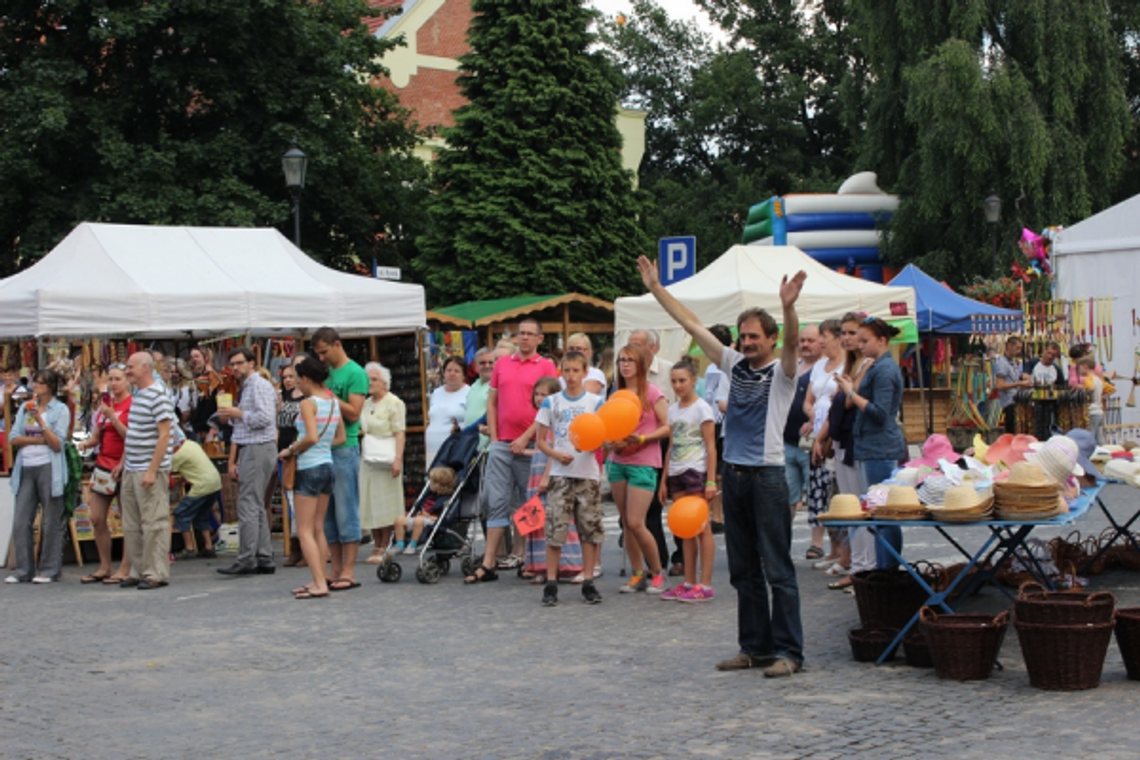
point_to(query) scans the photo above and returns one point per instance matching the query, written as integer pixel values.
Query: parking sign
(676, 258)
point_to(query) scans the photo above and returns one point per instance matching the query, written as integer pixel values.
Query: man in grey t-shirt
(758, 522)
(1010, 378)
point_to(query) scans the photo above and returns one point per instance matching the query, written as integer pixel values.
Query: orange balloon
(626, 393)
(621, 418)
(688, 516)
(587, 432)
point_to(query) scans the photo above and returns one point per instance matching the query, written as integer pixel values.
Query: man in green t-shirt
(349, 383)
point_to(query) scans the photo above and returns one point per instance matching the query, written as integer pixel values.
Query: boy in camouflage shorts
(573, 493)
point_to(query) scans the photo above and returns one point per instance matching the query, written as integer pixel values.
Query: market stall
(107, 290)
(749, 276)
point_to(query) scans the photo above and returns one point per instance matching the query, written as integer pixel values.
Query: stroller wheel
(428, 573)
(444, 566)
(390, 572)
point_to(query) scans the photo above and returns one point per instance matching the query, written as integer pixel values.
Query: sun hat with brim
(1057, 459)
(903, 499)
(1122, 469)
(964, 498)
(1129, 445)
(907, 476)
(1086, 446)
(932, 492)
(1018, 448)
(1026, 475)
(843, 507)
(998, 449)
(935, 447)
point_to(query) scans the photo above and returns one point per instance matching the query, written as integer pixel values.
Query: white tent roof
(1114, 229)
(749, 276)
(149, 281)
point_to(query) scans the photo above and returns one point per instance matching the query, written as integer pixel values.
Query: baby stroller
(453, 534)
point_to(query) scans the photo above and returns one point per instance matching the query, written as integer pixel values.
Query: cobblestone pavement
(217, 667)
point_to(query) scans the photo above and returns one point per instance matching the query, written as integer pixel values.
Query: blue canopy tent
(939, 311)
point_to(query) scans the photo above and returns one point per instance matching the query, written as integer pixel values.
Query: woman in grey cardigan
(38, 480)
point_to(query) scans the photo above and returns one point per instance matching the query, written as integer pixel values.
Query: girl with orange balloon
(692, 456)
(633, 464)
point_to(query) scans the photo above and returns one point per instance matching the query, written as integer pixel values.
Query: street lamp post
(992, 207)
(294, 163)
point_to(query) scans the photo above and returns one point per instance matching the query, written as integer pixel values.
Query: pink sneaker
(656, 583)
(673, 593)
(696, 594)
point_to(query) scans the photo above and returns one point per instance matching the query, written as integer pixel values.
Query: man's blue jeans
(873, 472)
(758, 535)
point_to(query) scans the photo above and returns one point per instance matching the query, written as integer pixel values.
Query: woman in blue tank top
(319, 428)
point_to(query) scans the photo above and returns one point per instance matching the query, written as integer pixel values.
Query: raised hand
(648, 270)
(790, 289)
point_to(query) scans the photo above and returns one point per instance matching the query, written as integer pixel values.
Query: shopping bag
(531, 516)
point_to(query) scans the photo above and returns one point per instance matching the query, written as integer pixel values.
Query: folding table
(1006, 536)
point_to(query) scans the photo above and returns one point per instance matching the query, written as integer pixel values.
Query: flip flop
(841, 584)
(343, 584)
(311, 595)
(94, 578)
(113, 580)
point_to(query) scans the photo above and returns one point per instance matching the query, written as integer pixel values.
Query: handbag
(377, 451)
(289, 473)
(102, 482)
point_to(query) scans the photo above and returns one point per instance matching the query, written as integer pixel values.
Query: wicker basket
(916, 650)
(1038, 606)
(868, 643)
(1064, 657)
(887, 598)
(1128, 639)
(963, 647)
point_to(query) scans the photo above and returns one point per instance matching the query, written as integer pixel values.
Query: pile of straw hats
(964, 503)
(902, 504)
(843, 506)
(1028, 494)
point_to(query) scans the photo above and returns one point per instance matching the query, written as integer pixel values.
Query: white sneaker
(409, 550)
(597, 571)
(12, 579)
(838, 569)
(823, 564)
(42, 579)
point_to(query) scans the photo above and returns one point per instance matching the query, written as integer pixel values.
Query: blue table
(1006, 536)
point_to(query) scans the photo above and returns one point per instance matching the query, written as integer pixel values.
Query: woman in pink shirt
(633, 467)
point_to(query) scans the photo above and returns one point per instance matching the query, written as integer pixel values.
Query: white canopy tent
(749, 276)
(149, 281)
(1100, 258)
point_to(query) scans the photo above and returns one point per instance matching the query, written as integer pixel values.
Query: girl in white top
(817, 404)
(692, 471)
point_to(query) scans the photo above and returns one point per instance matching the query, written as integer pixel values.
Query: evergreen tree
(531, 195)
(178, 111)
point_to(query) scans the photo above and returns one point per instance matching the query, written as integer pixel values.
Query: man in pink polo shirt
(510, 413)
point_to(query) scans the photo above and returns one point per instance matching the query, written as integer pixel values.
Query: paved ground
(215, 667)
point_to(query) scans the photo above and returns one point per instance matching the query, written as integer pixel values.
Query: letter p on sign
(676, 258)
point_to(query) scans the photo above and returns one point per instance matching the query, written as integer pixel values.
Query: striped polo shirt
(150, 406)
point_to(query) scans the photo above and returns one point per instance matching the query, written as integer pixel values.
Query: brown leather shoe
(744, 661)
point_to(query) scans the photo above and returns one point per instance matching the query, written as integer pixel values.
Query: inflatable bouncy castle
(840, 231)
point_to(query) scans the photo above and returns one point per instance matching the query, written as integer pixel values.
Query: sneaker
(656, 584)
(697, 594)
(782, 668)
(590, 593)
(43, 579)
(824, 564)
(186, 554)
(409, 549)
(837, 569)
(637, 582)
(597, 571)
(675, 592)
(744, 661)
(12, 579)
(550, 595)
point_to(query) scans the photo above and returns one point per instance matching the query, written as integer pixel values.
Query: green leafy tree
(178, 111)
(1019, 96)
(531, 194)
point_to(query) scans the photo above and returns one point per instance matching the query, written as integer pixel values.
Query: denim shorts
(196, 511)
(638, 475)
(313, 481)
(686, 482)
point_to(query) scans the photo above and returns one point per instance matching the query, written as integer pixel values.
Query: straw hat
(965, 499)
(843, 506)
(1057, 457)
(1026, 475)
(934, 448)
(908, 476)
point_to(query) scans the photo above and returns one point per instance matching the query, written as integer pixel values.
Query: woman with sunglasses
(633, 469)
(38, 479)
(108, 431)
(878, 441)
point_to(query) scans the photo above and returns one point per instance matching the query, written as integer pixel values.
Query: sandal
(95, 578)
(815, 552)
(310, 595)
(482, 574)
(537, 579)
(113, 580)
(841, 584)
(509, 562)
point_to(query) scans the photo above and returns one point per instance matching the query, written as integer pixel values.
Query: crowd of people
(765, 431)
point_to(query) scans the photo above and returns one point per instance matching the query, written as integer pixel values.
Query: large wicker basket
(868, 643)
(1064, 657)
(1038, 606)
(963, 647)
(887, 598)
(1128, 639)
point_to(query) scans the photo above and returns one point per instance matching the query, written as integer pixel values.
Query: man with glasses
(476, 405)
(758, 522)
(254, 421)
(510, 413)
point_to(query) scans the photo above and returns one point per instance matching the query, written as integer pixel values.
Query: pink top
(513, 381)
(650, 455)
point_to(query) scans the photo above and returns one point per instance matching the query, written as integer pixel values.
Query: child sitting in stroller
(441, 486)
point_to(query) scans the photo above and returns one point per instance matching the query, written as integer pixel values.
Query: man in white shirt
(661, 369)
